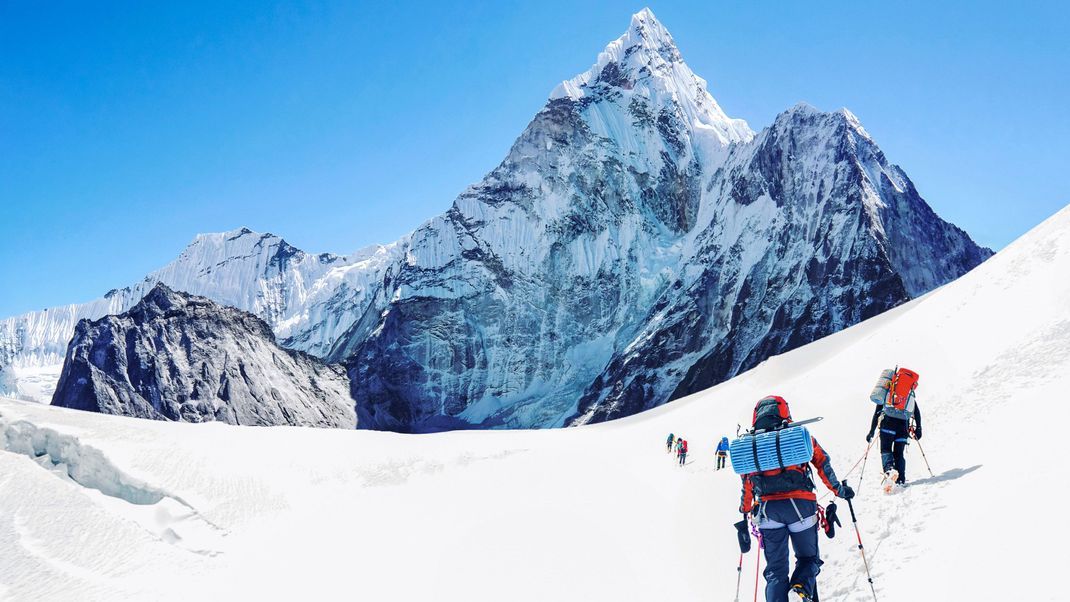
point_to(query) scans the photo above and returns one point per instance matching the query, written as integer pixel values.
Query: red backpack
(903, 384)
(771, 412)
(684, 448)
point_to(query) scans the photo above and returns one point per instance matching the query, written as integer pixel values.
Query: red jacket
(822, 466)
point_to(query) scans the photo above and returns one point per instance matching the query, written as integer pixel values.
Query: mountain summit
(645, 67)
(635, 245)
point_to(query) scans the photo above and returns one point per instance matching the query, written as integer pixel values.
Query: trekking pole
(869, 447)
(757, 564)
(758, 560)
(861, 548)
(864, 460)
(739, 575)
(924, 458)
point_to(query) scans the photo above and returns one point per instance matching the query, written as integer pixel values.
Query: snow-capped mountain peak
(635, 245)
(646, 62)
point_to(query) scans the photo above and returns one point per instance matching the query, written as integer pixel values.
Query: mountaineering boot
(890, 477)
(800, 594)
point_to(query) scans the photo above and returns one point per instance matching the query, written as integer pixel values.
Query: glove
(869, 437)
(917, 432)
(832, 521)
(743, 535)
(846, 492)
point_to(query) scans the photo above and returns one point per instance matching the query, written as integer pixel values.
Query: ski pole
(739, 575)
(757, 564)
(861, 548)
(758, 560)
(924, 458)
(865, 459)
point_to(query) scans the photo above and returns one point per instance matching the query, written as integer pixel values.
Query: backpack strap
(754, 447)
(779, 456)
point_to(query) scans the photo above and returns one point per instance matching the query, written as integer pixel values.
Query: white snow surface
(117, 508)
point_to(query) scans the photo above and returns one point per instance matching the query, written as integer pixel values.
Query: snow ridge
(646, 62)
(636, 244)
(308, 299)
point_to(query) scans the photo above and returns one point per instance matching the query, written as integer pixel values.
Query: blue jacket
(723, 445)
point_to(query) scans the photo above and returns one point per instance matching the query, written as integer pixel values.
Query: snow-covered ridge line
(635, 245)
(645, 59)
(299, 294)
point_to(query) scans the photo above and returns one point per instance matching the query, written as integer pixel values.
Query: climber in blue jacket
(722, 452)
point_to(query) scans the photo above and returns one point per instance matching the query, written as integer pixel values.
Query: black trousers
(894, 438)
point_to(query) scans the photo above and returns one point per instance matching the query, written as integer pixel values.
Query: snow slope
(591, 513)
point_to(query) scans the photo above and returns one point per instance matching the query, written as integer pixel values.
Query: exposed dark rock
(179, 357)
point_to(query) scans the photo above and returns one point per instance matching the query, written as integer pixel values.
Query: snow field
(591, 513)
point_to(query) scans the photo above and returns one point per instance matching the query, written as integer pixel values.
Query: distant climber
(681, 450)
(894, 396)
(722, 453)
(783, 502)
(669, 443)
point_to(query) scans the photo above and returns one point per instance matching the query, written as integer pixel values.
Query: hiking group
(679, 444)
(777, 460)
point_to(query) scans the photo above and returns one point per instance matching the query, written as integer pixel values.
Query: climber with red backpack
(894, 396)
(777, 461)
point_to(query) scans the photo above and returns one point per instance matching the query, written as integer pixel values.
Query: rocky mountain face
(174, 356)
(511, 303)
(635, 245)
(308, 299)
(813, 231)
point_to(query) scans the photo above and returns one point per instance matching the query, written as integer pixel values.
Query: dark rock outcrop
(174, 356)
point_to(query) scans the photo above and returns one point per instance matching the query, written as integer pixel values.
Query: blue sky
(126, 129)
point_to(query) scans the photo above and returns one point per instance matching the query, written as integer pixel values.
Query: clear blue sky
(125, 128)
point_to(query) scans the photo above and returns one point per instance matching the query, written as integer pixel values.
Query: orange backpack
(903, 384)
(900, 400)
